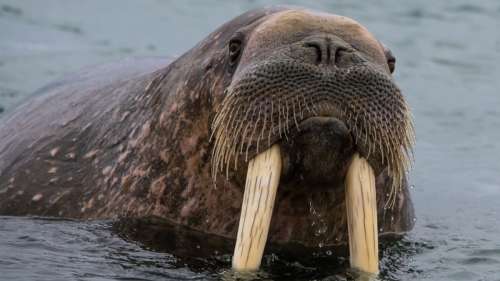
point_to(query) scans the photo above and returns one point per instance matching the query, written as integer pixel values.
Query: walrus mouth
(266, 103)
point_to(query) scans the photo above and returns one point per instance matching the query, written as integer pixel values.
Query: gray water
(448, 57)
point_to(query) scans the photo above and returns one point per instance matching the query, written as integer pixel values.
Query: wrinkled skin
(134, 140)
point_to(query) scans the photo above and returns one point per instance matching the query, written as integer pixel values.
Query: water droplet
(392, 218)
(412, 186)
(273, 257)
(381, 229)
(328, 253)
(414, 219)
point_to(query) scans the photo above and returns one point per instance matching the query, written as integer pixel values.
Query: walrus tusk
(361, 203)
(258, 201)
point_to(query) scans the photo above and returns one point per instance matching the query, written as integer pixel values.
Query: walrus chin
(314, 125)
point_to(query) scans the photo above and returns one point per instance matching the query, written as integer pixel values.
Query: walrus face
(318, 87)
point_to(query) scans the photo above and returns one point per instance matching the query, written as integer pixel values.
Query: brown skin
(136, 143)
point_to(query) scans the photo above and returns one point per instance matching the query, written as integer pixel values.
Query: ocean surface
(448, 66)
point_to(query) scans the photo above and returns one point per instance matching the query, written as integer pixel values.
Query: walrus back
(43, 138)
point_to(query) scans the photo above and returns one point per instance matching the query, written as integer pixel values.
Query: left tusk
(361, 203)
(257, 208)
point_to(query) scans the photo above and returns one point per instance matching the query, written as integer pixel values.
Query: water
(448, 57)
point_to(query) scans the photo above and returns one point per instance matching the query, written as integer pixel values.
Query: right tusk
(361, 203)
(257, 208)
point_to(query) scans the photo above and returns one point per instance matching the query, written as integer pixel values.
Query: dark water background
(448, 57)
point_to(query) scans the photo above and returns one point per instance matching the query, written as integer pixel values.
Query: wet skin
(133, 139)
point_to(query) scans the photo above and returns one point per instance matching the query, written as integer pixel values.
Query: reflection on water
(448, 65)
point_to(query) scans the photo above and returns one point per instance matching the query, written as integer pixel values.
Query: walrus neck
(173, 149)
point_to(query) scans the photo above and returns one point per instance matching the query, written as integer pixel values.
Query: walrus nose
(328, 51)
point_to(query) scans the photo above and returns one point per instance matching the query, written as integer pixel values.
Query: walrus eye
(391, 61)
(234, 51)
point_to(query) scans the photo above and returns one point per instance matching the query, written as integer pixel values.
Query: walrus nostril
(327, 52)
(339, 52)
(317, 47)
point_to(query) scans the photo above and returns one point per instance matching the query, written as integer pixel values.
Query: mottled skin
(133, 140)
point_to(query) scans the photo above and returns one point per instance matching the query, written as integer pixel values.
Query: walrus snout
(268, 100)
(318, 154)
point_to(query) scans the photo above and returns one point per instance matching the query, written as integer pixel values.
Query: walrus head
(291, 101)
(318, 86)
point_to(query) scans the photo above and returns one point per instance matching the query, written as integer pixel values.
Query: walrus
(281, 99)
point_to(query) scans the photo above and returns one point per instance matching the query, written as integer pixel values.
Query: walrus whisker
(226, 103)
(219, 150)
(243, 137)
(262, 129)
(271, 126)
(236, 133)
(379, 144)
(295, 115)
(306, 105)
(287, 118)
(255, 125)
(285, 122)
(279, 118)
